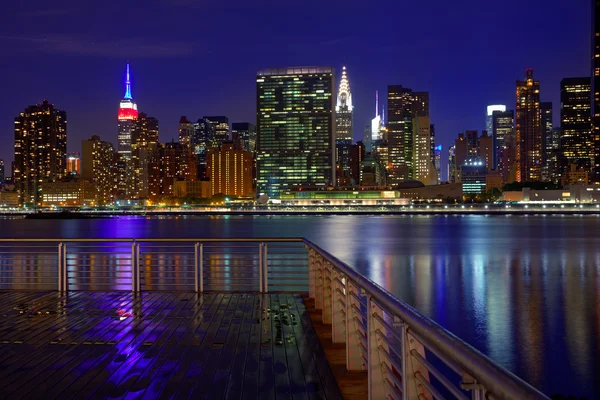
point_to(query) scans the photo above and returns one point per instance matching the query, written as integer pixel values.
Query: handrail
(155, 240)
(499, 381)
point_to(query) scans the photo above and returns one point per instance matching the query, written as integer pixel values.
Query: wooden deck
(160, 345)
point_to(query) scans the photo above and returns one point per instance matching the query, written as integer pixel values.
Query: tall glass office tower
(295, 122)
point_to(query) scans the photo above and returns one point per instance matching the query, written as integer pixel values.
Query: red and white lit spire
(127, 108)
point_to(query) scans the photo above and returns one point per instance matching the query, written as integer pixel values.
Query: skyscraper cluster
(304, 140)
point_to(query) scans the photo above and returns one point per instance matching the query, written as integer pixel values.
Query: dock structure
(270, 318)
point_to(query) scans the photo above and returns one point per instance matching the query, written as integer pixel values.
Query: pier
(220, 318)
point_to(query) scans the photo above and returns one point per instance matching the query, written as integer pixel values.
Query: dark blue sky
(199, 58)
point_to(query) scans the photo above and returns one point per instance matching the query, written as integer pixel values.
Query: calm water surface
(523, 289)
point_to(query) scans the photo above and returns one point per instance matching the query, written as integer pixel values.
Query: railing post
(196, 267)
(260, 268)
(327, 292)
(354, 360)
(65, 268)
(266, 268)
(338, 310)
(411, 367)
(201, 272)
(135, 268)
(319, 283)
(376, 380)
(62, 267)
(311, 273)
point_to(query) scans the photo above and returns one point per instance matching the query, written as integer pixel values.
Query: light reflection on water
(523, 289)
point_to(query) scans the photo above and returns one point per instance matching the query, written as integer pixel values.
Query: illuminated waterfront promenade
(219, 318)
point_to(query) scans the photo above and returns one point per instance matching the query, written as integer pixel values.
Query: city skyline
(88, 83)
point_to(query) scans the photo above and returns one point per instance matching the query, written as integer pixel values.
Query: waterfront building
(575, 174)
(40, 150)
(546, 121)
(73, 163)
(186, 132)
(461, 152)
(220, 127)
(473, 175)
(503, 123)
(357, 156)
(493, 180)
(99, 167)
(192, 189)
(452, 164)
(2, 177)
(489, 116)
(472, 138)
(437, 162)
(204, 138)
(9, 199)
(296, 143)
(343, 127)
(245, 133)
(486, 150)
(576, 142)
(68, 193)
(424, 170)
(371, 196)
(554, 154)
(596, 87)
(230, 171)
(143, 144)
(528, 151)
(403, 105)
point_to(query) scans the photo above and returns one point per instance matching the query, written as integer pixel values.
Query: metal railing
(200, 265)
(404, 354)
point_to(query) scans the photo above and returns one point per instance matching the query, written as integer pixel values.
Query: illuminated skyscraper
(220, 126)
(546, 121)
(452, 164)
(503, 128)
(229, 170)
(295, 115)
(528, 152)
(186, 132)
(73, 163)
(489, 121)
(486, 150)
(245, 133)
(40, 150)
(99, 167)
(596, 87)
(472, 142)
(203, 139)
(1, 171)
(343, 127)
(357, 156)
(144, 141)
(437, 162)
(576, 142)
(127, 114)
(424, 169)
(403, 105)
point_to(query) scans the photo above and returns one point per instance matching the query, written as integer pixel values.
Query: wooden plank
(236, 375)
(225, 368)
(201, 358)
(181, 356)
(216, 349)
(124, 355)
(89, 355)
(266, 380)
(280, 364)
(147, 371)
(252, 366)
(76, 379)
(62, 353)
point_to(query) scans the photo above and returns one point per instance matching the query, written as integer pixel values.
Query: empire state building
(128, 113)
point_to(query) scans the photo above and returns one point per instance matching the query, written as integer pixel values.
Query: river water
(524, 290)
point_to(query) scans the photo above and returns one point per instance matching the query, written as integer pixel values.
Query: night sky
(200, 58)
